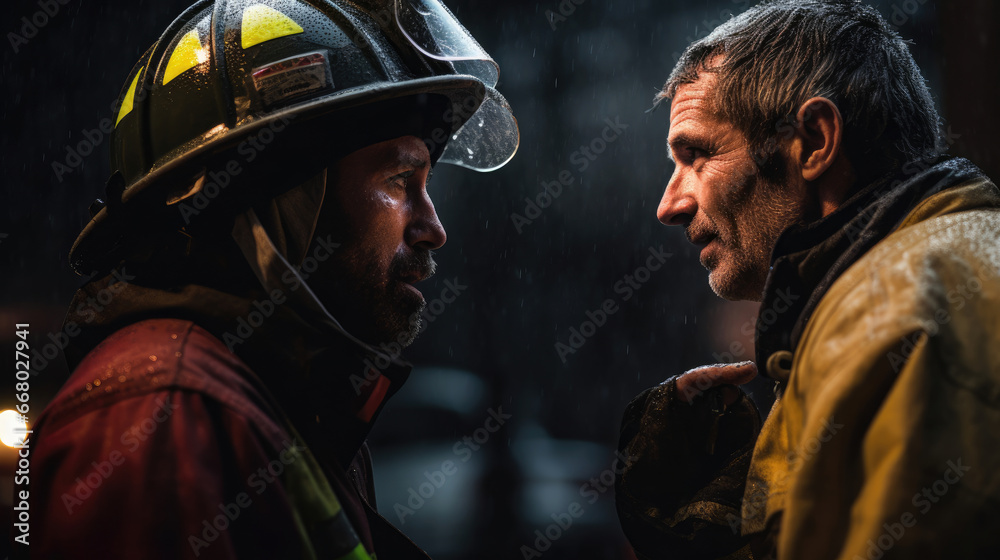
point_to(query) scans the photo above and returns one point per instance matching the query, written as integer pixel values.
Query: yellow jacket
(886, 440)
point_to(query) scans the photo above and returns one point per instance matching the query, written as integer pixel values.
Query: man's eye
(697, 153)
(402, 179)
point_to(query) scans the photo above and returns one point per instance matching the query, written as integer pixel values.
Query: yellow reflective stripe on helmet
(263, 23)
(126, 107)
(359, 553)
(187, 54)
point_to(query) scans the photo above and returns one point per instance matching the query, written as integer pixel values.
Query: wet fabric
(884, 442)
(166, 437)
(809, 258)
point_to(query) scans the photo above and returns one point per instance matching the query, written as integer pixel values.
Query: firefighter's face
(720, 197)
(378, 209)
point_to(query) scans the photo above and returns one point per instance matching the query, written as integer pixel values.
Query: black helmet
(302, 80)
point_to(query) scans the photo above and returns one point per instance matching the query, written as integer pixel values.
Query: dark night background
(495, 345)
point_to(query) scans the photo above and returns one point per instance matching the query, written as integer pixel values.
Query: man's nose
(425, 229)
(678, 206)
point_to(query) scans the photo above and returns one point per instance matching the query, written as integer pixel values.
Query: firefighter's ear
(819, 136)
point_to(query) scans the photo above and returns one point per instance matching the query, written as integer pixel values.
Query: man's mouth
(703, 240)
(413, 269)
(708, 246)
(409, 278)
(704, 251)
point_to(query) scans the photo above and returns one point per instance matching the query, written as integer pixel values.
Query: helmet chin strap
(292, 219)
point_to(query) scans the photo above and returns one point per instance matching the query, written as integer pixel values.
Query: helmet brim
(293, 141)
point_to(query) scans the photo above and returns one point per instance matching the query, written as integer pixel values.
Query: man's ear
(820, 132)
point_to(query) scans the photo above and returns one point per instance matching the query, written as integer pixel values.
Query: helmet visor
(433, 30)
(488, 140)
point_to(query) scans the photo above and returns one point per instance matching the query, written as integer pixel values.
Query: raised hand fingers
(695, 382)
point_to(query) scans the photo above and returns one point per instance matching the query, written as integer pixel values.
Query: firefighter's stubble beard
(365, 292)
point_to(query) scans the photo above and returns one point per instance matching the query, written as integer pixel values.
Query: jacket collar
(330, 385)
(808, 258)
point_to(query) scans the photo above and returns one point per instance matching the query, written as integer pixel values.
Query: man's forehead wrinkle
(687, 101)
(685, 111)
(690, 113)
(690, 103)
(689, 126)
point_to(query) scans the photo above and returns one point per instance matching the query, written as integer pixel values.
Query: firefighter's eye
(402, 179)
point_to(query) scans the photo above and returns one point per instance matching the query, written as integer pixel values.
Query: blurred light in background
(12, 429)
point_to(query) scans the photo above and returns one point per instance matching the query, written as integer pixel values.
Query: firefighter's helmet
(239, 99)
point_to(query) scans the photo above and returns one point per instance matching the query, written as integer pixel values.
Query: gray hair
(779, 54)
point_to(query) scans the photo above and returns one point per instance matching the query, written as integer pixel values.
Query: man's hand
(695, 382)
(688, 443)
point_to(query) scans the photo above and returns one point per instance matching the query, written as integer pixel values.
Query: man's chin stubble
(399, 324)
(734, 285)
